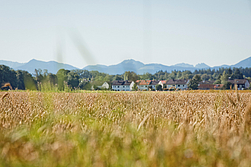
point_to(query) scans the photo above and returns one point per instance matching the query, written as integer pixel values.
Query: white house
(177, 84)
(162, 83)
(120, 85)
(240, 83)
(105, 85)
(153, 84)
(143, 84)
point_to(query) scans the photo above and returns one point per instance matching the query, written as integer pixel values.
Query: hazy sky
(81, 32)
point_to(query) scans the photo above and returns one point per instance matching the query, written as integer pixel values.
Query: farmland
(199, 128)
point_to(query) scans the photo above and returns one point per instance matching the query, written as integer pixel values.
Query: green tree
(224, 80)
(172, 75)
(39, 75)
(72, 79)
(29, 81)
(227, 85)
(205, 77)
(147, 76)
(130, 75)
(117, 77)
(193, 84)
(178, 75)
(135, 87)
(224, 77)
(108, 78)
(218, 81)
(237, 74)
(20, 80)
(8, 75)
(62, 78)
(158, 87)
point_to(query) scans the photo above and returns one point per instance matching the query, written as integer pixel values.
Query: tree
(237, 74)
(85, 85)
(218, 81)
(224, 77)
(193, 84)
(130, 75)
(52, 79)
(224, 80)
(108, 78)
(20, 80)
(29, 81)
(38, 75)
(205, 77)
(178, 75)
(73, 79)
(158, 87)
(227, 85)
(117, 77)
(147, 76)
(62, 78)
(229, 71)
(135, 87)
(8, 75)
(173, 75)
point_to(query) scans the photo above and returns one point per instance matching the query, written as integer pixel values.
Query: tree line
(84, 79)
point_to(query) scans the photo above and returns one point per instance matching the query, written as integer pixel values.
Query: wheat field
(199, 128)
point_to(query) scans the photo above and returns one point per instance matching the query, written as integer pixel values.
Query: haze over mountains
(126, 65)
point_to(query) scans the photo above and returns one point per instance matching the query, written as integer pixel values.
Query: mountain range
(126, 65)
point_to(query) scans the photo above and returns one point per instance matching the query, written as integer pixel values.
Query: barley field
(199, 128)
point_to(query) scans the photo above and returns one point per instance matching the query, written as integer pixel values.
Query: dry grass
(125, 129)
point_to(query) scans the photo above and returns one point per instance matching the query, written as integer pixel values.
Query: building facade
(177, 84)
(143, 84)
(120, 85)
(240, 83)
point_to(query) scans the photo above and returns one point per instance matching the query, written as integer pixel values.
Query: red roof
(206, 86)
(163, 81)
(145, 82)
(218, 86)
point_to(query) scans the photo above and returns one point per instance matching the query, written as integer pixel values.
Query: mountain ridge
(126, 65)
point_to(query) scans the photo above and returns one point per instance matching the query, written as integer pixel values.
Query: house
(206, 85)
(163, 83)
(120, 85)
(144, 84)
(240, 83)
(218, 86)
(147, 84)
(153, 84)
(96, 85)
(177, 84)
(105, 85)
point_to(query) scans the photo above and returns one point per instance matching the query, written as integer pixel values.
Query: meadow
(186, 128)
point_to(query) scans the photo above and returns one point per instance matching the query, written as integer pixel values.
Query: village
(171, 85)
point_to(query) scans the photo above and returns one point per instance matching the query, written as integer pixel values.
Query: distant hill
(140, 68)
(51, 66)
(244, 63)
(126, 65)
(11, 63)
(184, 65)
(202, 65)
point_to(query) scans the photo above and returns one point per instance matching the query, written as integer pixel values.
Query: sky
(85, 32)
